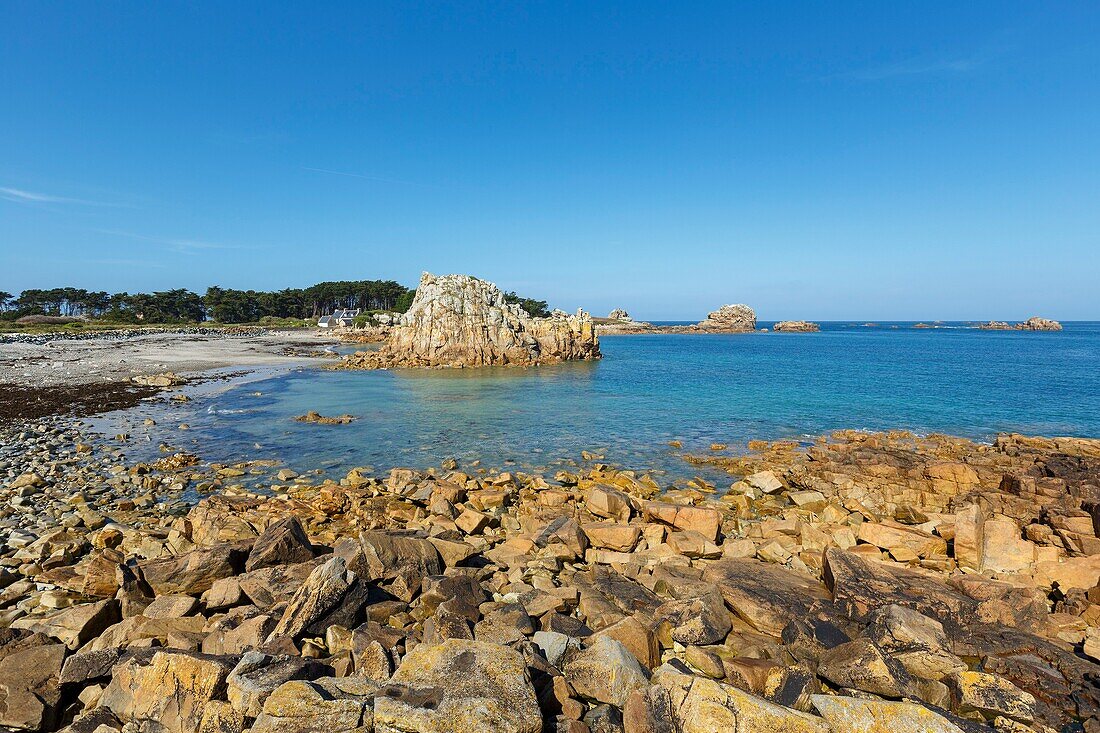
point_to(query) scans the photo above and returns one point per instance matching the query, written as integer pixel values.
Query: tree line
(224, 305)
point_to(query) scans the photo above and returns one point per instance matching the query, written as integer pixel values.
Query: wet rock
(459, 685)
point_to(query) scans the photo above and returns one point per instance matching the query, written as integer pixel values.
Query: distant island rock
(730, 318)
(619, 315)
(796, 327)
(1035, 323)
(461, 321)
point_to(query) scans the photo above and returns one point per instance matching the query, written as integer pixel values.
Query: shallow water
(648, 390)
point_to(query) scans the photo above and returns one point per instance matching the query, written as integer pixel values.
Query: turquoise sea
(647, 391)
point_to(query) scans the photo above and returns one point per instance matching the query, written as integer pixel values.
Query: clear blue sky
(878, 160)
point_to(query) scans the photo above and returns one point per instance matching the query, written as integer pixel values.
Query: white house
(341, 318)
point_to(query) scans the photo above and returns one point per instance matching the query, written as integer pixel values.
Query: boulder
(282, 543)
(1003, 549)
(402, 560)
(172, 689)
(702, 620)
(766, 596)
(862, 665)
(894, 537)
(700, 705)
(323, 591)
(604, 671)
(76, 625)
(257, 675)
(916, 641)
(459, 685)
(705, 521)
(605, 501)
(192, 572)
(991, 696)
(860, 715)
(30, 690)
(326, 705)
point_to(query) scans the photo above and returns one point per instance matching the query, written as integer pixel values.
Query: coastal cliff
(461, 321)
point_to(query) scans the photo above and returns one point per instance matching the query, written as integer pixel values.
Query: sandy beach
(42, 376)
(113, 358)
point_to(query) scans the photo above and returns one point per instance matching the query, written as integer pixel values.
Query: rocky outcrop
(730, 319)
(461, 321)
(1035, 323)
(619, 315)
(796, 327)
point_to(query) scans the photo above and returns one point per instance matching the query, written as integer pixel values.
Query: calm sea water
(649, 390)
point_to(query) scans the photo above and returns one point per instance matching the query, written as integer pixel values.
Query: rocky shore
(866, 582)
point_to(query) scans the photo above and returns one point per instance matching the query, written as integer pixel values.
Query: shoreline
(96, 373)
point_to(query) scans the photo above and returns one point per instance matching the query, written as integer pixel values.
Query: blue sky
(815, 160)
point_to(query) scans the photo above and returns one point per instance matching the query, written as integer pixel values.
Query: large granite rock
(459, 320)
(730, 318)
(459, 685)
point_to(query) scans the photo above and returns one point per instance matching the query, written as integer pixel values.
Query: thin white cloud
(182, 246)
(30, 197)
